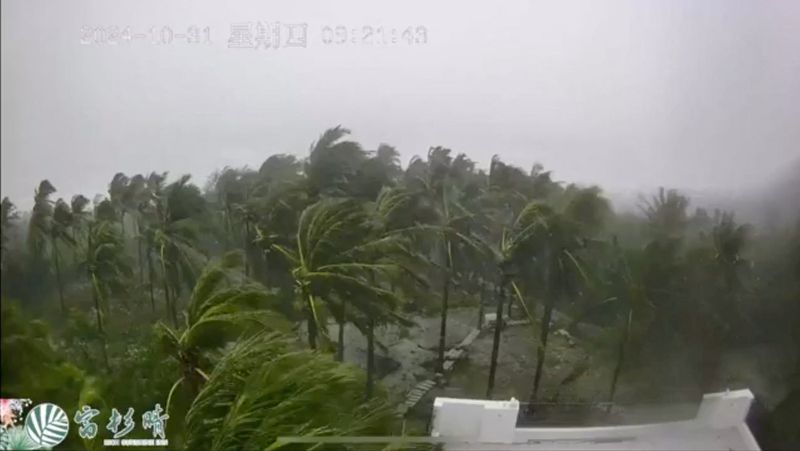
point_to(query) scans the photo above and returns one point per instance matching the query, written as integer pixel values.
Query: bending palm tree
(223, 306)
(7, 216)
(174, 234)
(63, 221)
(326, 266)
(106, 267)
(561, 235)
(262, 390)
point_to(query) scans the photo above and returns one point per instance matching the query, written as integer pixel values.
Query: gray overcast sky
(627, 94)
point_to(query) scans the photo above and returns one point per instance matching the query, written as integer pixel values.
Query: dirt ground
(406, 357)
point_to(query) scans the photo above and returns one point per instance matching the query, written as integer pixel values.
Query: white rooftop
(467, 424)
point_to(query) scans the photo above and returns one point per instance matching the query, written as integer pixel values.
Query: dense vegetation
(215, 301)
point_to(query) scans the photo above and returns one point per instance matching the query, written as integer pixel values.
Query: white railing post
(475, 420)
(725, 409)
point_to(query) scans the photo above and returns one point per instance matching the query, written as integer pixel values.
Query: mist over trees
(214, 297)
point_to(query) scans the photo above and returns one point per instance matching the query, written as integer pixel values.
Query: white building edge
(466, 424)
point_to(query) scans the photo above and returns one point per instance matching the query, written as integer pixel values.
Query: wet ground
(576, 379)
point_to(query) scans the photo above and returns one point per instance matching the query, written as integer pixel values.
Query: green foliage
(33, 367)
(346, 233)
(261, 390)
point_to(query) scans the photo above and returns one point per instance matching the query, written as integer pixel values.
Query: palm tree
(44, 231)
(8, 214)
(117, 189)
(150, 212)
(434, 182)
(223, 306)
(41, 219)
(729, 241)
(105, 264)
(333, 164)
(60, 228)
(559, 239)
(636, 311)
(326, 267)
(261, 389)
(511, 240)
(387, 246)
(174, 232)
(80, 216)
(231, 187)
(134, 198)
(666, 213)
(381, 169)
(276, 208)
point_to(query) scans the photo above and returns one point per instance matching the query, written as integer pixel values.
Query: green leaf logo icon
(47, 425)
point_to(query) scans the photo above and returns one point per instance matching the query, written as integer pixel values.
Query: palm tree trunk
(75, 253)
(480, 305)
(167, 303)
(175, 297)
(340, 345)
(370, 358)
(498, 326)
(620, 357)
(246, 247)
(96, 298)
(99, 317)
(311, 320)
(312, 331)
(228, 232)
(150, 280)
(545, 332)
(445, 298)
(267, 278)
(139, 251)
(541, 351)
(58, 277)
(167, 300)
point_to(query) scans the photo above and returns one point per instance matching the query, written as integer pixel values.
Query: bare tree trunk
(370, 358)
(498, 326)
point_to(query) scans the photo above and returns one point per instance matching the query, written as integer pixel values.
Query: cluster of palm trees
(348, 235)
